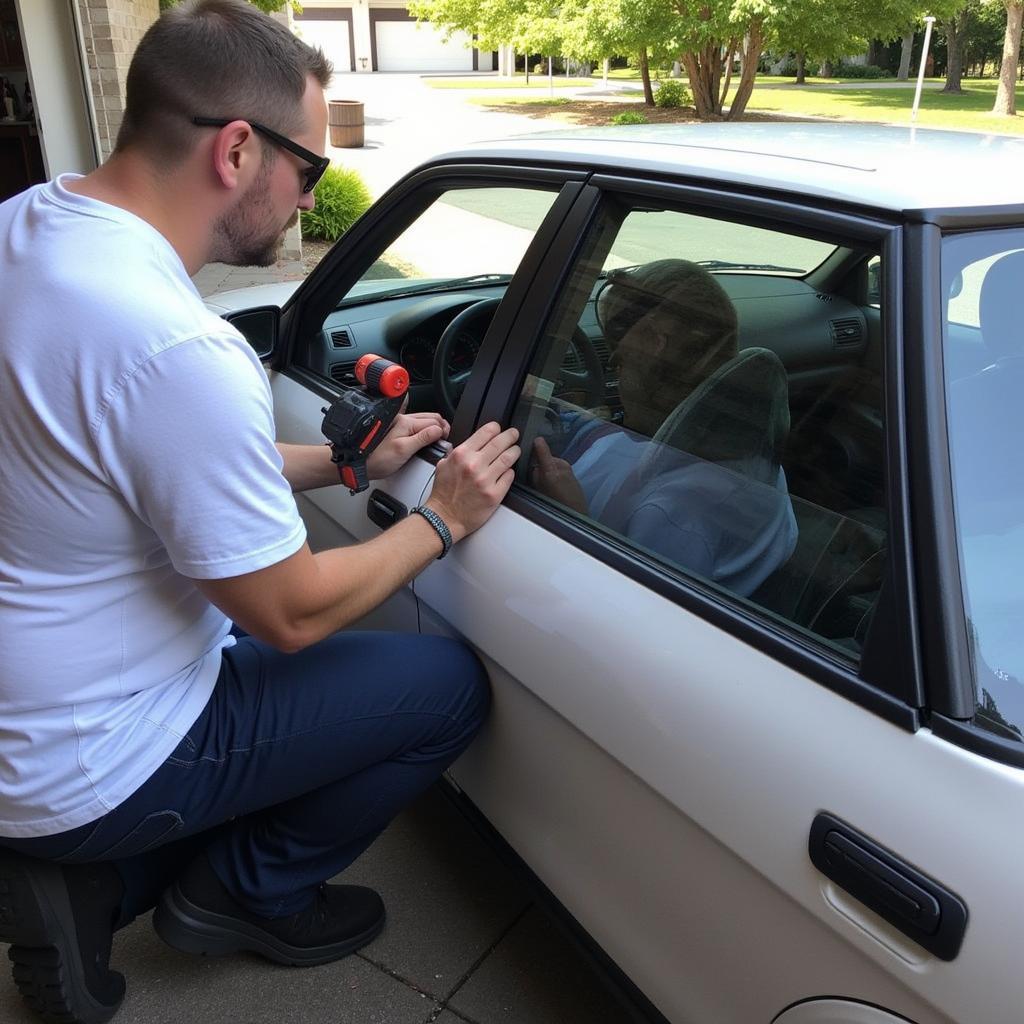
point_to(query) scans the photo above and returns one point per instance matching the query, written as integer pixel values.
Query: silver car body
(657, 772)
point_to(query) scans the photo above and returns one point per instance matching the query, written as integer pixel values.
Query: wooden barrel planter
(345, 120)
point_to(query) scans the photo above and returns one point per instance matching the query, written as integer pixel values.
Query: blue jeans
(294, 767)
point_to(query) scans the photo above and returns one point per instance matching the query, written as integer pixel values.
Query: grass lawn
(518, 82)
(970, 110)
(632, 75)
(967, 111)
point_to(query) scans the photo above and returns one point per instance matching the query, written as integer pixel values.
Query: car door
(441, 244)
(724, 774)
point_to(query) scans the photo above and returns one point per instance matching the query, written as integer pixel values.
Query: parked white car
(758, 679)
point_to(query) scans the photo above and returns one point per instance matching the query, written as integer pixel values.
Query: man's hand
(471, 480)
(408, 434)
(555, 478)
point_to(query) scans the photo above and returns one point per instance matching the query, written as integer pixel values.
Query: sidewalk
(464, 944)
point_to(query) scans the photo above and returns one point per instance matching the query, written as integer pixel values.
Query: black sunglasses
(318, 164)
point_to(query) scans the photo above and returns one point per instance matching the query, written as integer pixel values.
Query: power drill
(357, 421)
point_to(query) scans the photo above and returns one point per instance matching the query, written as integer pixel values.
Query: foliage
(629, 117)
(860, 71)
(341, 198)
(672, 93)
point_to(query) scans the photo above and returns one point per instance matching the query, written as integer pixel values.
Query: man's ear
(236, 154)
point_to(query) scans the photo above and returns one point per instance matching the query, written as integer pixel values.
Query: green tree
(1006, 92)
(983, 41)
(595, 29)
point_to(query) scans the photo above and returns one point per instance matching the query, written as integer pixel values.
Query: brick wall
(111, 30)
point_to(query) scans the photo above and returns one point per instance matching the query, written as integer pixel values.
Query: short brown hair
(215, 58)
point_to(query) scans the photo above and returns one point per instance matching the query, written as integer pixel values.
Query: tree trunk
(826, 69)
(730, 52)
(873, 47)
(753, 44)
(645, 75)
(1006, 98)
(704, 69)
(955, 28)
(908, 45)
(801, 77)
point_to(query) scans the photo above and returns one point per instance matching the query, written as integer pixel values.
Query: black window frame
(396, 210)
(888, 679)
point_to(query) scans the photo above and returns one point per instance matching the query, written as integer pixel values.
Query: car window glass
(724, 421)
(460, 250)
(983, 358)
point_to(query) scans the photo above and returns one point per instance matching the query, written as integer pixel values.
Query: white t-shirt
(137, 441)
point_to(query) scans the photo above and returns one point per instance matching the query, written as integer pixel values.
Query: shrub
(341, 198)
(629, 117)
(861, 71)
(672, 93)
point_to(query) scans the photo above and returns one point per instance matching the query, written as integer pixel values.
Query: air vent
(344, 373)
(846, 331)
(822, 297)
(341, 339)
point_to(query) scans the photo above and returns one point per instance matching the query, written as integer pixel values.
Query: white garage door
(418, 46)
(331, 36)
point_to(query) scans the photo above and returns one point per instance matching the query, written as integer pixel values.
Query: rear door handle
(921, 908)
(384, 510)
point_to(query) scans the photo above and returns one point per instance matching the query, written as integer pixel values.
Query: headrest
(740, 412)
(999, 306)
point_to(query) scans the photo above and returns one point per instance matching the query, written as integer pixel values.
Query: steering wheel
(448, 386)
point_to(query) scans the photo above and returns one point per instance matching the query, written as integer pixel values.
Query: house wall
(111, 29)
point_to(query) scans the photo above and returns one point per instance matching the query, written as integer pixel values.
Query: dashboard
(816, 335)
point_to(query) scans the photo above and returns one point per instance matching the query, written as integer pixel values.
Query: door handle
(384, 510)
(921, 908)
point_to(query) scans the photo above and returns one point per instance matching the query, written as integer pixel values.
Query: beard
(242, 237)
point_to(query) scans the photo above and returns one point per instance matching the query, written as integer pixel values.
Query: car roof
(886, 167)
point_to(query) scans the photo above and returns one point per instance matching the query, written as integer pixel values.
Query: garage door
(418, 46)
(332, 36)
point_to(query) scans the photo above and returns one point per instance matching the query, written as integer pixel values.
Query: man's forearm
(308, 466)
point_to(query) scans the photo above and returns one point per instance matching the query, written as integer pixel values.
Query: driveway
(406, 121)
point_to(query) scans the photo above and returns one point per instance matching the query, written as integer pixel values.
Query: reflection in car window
(983, 355)
(660, 409)
(466, 233)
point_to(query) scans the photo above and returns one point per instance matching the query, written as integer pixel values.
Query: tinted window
(719, 418)
(983, 355)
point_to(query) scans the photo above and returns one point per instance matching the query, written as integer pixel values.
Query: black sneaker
(198, 915)
(59, 921)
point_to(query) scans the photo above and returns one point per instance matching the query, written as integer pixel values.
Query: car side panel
(333, 516)
(667, 802)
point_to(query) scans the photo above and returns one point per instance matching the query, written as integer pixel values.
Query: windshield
(983, 356)
(720, 246)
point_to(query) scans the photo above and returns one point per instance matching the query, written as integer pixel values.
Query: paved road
(406, 122)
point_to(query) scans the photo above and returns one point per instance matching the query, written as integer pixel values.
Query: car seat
(739, 414)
